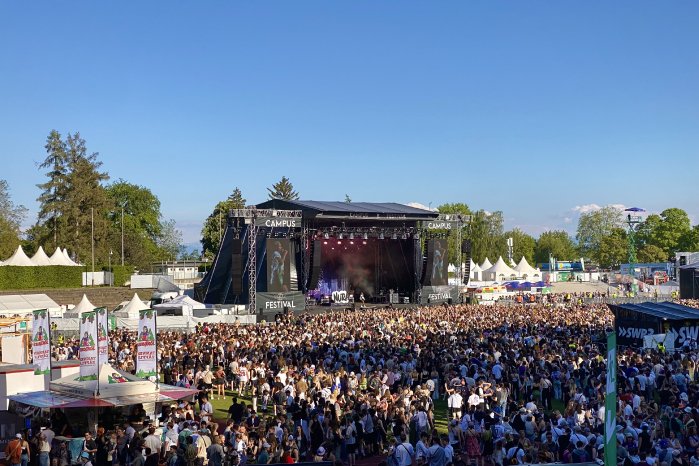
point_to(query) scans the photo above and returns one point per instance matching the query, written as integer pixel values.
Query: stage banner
(439, 225)
(278, 222)
(276, 302)
(102, 335)
(41, 341)
(439, 294)
(437, 265)
(88, 346)
(278, 265)
(147, 353)
(610, 458)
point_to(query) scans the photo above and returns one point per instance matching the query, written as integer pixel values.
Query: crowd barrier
(187, 323)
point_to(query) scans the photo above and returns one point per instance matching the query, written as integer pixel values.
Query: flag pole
(157, 362)
(97, 334)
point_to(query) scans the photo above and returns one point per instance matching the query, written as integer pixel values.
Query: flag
(88, 346)
(610, 404)
(102, 335)
(41, 341)
(146, 354)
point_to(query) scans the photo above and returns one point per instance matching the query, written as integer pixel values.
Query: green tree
(215, 223)
(555, 243)
(53, 191)
(458, 208)
(485, 233)
(283, 189)
(691, 240)
(669, 231)
(523, 245)
(142, 222)
(84, 196)
(595, 225)
(169, 241)
(651, 253)
(614, 249)
(11, 218)
(348, 199)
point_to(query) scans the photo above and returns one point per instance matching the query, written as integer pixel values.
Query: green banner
(610, 404)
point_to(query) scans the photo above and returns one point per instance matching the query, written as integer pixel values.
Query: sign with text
(102, 335)
(438, 294)
(278, 222)
(41, 342)
(88, 346)
(147, 354)
(277, 302)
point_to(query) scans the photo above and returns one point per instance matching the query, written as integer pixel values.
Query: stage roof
(349, 209)
(664, 310)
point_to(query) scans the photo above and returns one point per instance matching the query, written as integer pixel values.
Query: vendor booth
(633, 322)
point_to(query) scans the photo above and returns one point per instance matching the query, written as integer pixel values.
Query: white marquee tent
(40, 257)
(500, 271)
(57, 258)
(526, 271)
(83, 306)
(486, 264)
(181, 305)
(19, 259)
(26, 303)
(70, 261)
(130, 311)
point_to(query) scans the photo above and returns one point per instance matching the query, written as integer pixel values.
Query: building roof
(663, 310)
(333, 208)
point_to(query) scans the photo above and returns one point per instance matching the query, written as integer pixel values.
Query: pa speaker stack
(237, 267)
(466, 251)
(315, 265)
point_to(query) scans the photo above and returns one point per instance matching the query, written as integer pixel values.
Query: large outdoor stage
(292, 254)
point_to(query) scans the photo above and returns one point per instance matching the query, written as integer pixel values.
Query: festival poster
(88, 346)
(102, 335)
(41, 342)
(146, 355)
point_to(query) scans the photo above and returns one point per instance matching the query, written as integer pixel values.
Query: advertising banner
(273, 303)
(102, 335)
(610, 404)
(278, 222)
(147, 354)
(88, 346)
(41, 341)
(439, 294)
(439, 225)
(278, 265)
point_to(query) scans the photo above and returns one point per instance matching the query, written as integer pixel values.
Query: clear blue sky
(532, 108)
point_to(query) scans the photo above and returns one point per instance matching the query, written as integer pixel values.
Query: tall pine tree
(53, 192)
(215, 223)
(283, 189)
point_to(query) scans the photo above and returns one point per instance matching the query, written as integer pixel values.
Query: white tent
(83, 306)
(181, 305)
(70, 261)
(25, 303)
(486, 264)
(476, 273)
(40, 257)
(19, 258)
(57, 258)
(512, 264)
(499, 272)
(130, 311)
(526, 271)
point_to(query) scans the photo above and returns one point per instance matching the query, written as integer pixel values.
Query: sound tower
(237, 267)
(466, 250)
(315, 265)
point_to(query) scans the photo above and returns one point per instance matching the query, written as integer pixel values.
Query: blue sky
(533, 108)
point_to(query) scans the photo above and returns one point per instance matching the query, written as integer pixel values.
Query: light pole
(122, 234)
(111, 281)
(633, 219)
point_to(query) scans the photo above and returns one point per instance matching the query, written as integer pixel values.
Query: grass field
(440, 410)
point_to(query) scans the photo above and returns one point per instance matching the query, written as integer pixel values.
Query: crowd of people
(457, 384)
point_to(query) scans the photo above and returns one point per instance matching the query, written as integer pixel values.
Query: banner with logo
(440, 225)
(41, 341)
(102, 335)
(147, 354)
(273, 303)
(610, 404)
(439, 294)
(88, 346)
(278, 222)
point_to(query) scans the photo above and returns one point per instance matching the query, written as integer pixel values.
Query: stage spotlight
(351, 235)
(381, 235)
(326, 235)
(325, 242)
(366, 236)
(339, 236)
(416, 236)
(404, 236)
(351, 242)
(339, 242)
(394, 236)
(363, 242)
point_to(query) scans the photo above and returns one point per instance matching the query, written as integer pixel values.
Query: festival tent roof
(116, 388)
(130, 311)
(499, 271)
(527, 270)
(70, 261)
(25, 303)
(57, 258)
(83, 306)
(40, 257)
(19, 258)
(183, 302)
(486, 264)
